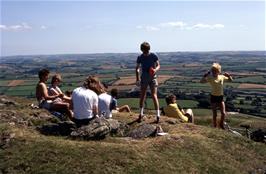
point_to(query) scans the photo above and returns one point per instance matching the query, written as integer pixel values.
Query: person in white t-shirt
(85, 101)
(104, 105)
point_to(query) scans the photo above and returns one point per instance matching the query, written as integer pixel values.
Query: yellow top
(217, 84)
(172, 110)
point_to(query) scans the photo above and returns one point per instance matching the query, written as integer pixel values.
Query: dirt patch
(169, 68)
(15, 83)
(130, 80)
(244, 73)
(121, 87)
(192, 65)
(107, 67)
(251, 86)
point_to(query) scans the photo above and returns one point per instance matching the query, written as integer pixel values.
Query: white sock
(141, 111)
(158, 113)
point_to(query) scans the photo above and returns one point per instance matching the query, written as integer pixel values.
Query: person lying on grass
(172, 110)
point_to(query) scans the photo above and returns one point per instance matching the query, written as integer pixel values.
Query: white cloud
(148, 28)
(3, 27)
(19, 27)
(151, 28)
(43, 27)
(207, 26)
(178, 24)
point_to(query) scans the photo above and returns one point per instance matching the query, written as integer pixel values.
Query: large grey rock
(63, 128)
(97, 129)
(117, 128)
(143, 131)
(7, 102)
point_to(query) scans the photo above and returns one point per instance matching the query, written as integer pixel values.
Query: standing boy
(149, 63)
(216, 80)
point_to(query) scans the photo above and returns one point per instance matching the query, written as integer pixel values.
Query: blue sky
(62, 27)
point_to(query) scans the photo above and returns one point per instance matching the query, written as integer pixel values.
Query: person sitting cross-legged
(47, 101)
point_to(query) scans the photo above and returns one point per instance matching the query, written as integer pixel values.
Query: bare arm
(204, 78)
(44, 93)
(95, 111)
(230, 79)
(137, 72)
(95, 107)
(157, 63)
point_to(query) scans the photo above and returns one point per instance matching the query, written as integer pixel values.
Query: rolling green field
(134, 103)
(186, 68)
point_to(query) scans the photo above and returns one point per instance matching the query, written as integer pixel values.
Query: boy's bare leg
(190, 115)
(214, 114)
(155, 102)
(222, 108)
(141, 101)
(124, 108)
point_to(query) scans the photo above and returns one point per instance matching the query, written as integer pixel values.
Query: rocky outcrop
(63, 128)
(7, 102)
(99, 128)
(143, 131)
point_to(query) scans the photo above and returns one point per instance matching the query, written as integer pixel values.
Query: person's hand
(137, 83)
(207, 73)
(227, 74)
(152, 71)
(61, 95)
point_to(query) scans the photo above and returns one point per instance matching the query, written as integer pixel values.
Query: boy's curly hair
(170, 98)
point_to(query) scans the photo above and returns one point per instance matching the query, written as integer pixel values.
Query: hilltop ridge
(187, 148)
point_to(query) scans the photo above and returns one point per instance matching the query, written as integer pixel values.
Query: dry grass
(188, 148)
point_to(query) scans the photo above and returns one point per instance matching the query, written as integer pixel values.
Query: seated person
(104, 101)
(104, 105)
(172, 110)
(113, 106)
(47, 101)
(54, 89)
(85, 101)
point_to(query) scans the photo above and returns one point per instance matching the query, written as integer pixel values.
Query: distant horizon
(134, 53)
(63, 27)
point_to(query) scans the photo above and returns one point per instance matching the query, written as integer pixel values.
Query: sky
(70, 27)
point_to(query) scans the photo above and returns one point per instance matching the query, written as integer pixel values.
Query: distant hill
(187, 148)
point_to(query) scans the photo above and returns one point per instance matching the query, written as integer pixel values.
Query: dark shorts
(82, 122)
(217, 99)
(147, 80)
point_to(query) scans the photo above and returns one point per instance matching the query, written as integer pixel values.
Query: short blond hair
(55, 78)
(217, 67)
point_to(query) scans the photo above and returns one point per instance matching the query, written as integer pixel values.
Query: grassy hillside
(188, 148)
